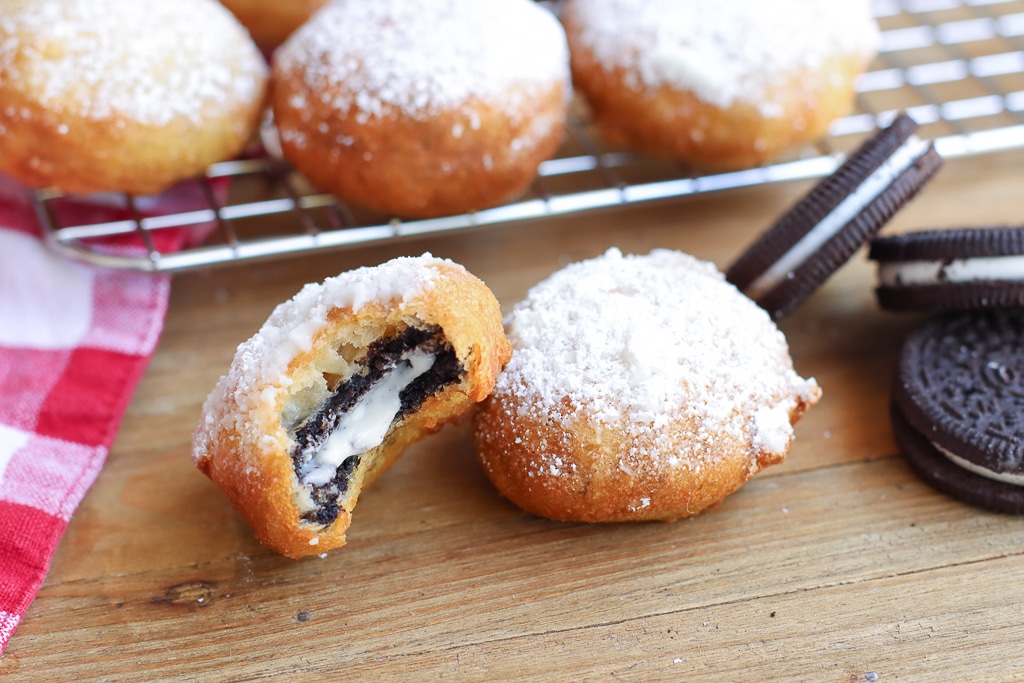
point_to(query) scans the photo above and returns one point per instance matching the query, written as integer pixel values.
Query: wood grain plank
(945, 624)
(496, 574)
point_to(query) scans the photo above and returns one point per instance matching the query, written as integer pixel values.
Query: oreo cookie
(950, 270)
(825, 228)
(958, 406)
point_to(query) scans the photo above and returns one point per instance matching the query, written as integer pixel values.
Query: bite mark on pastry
(393, 380)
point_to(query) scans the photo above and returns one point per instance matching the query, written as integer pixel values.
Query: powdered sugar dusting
(293, 326)
(645, 343)
(723, 51)
(146, 61)
(423, 56)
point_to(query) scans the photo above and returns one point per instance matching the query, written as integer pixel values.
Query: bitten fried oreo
(958, 406)
(336, 384)
(824, 229)
(947, 270)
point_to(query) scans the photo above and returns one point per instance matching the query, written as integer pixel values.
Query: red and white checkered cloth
(74, 342)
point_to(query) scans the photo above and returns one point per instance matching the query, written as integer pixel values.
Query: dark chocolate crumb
(446, 370)
(326, 497)
(772, 614)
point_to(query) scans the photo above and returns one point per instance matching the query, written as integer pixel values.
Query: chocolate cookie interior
(368, 397)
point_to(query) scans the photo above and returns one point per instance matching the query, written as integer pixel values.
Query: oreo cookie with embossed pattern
(949, 270)
(824, 229)
(958, 406)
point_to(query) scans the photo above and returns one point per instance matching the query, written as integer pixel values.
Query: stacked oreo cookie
(951, 270)
(958, 400)
(958, 406)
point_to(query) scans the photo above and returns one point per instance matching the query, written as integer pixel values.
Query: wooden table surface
(838, 565)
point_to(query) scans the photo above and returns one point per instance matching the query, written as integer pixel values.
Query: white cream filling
(367, 423)
(895, 274)
(1007, 478)
(868, 191)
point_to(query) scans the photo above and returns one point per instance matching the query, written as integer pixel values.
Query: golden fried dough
(123, 95)
(719, 85)
(640, 388)
(419, 108)
(334, 387)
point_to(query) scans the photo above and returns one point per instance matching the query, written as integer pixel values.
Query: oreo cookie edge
(843, 211)
(946, 270)
(944, 475)
(958, 406)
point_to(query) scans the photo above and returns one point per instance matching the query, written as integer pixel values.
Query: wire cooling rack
(956, 66)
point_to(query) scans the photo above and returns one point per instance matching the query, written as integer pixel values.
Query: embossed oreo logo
(964, 374)
(1004, 374)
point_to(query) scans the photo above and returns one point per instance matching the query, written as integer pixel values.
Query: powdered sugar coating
(643, 344)
(723, 52)
(146, 61)
(263, 360)
(423, 56)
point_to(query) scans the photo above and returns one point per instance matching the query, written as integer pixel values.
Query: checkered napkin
(74, 342)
